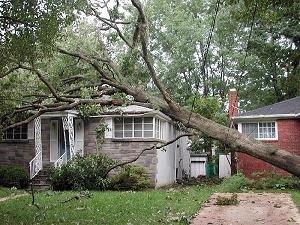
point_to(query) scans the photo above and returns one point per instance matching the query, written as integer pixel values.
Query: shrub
(275, 182)
(13, 176)
(234, 183)
(232, 200)
(131, 177)
(82, 173)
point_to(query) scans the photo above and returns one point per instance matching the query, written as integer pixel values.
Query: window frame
(155, 120)
(22, 129)
(258, 130)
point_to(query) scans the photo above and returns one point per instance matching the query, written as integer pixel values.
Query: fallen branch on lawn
(80, 195)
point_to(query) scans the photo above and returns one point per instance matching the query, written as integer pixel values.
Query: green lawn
(296, 197)
(4, 192)
(170, 206)
(152, 207)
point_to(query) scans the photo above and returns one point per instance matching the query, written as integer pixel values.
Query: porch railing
(61, 160)
(36, 165)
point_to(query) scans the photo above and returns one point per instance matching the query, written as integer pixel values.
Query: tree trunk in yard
(237, 141)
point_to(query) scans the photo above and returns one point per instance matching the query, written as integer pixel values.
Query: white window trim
(262, 139)
(160, 131)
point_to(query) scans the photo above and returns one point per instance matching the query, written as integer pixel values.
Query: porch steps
(41, 181)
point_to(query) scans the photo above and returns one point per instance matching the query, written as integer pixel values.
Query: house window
(137, 127)
(16, 133)
(261, 130)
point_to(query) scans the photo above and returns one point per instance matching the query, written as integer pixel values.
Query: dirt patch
(253, 208)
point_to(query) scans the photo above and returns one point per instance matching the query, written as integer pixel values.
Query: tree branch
(47, 83)
(9, 71)
(147, 57)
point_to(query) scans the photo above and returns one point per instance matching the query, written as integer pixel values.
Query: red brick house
(277, 124)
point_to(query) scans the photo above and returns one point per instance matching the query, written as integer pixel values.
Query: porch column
(38, 135)
(36, 164)
(68, 124)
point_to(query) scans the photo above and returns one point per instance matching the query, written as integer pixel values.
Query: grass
(174, 205)
(149, 207)
(5, 192)
(296, 197)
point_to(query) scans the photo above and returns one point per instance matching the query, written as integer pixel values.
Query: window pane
(148, 127)
(24, 135)
(24, 129)
(127, 126)
(128, 133)
(250, 129)
(119, 134)
(138, 126)
(24, 132)
(9, 134)
(138, 134)
(17, 133)
(128, 120)
(138, 120)
(148, 133)
(118, 126)
(148, 120)
(118, 120)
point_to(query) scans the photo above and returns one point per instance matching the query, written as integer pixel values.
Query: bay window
(138, 127)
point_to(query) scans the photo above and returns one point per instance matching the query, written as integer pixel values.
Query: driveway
(253, 208)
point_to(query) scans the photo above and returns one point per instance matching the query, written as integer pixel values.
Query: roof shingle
(291, 106)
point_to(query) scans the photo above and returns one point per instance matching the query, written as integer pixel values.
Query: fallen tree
(110, 84)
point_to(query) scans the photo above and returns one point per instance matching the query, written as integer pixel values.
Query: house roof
(285, 109)
(133, 110)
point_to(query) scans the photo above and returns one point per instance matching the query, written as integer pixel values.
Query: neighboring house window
(261, 130)
(137, 127)
(16, 133)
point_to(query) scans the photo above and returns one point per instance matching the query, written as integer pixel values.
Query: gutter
(274, 116)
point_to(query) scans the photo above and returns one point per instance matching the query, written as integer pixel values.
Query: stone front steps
(41, 181)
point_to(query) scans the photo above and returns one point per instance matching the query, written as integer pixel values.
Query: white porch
(66, 139)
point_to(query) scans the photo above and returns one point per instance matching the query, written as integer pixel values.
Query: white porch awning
(73, 113)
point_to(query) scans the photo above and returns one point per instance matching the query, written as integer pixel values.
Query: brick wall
(233, 102)
(120, 150)
(288, 139)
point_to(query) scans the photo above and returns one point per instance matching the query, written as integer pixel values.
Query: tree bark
(238, 141)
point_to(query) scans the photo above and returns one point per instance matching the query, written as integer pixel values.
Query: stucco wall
(175, 158)
(288, 139)
(121, 149)
(166, 170)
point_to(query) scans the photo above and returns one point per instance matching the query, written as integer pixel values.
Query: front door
(59, 139)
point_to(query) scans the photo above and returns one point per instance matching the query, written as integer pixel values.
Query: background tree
(113, 57)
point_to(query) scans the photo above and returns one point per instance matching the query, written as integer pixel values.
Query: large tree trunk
(237, 141)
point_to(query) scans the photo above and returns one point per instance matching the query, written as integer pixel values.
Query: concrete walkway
(12, 197)
(253, 208)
